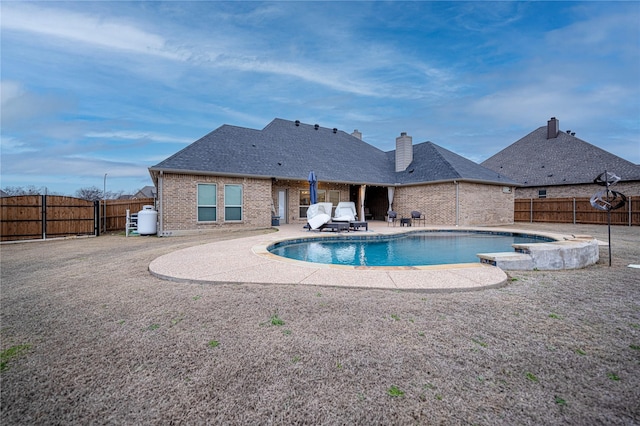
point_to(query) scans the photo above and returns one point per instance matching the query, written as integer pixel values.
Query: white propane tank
(147, 219)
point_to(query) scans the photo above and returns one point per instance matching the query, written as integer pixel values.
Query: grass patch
(532, 377)
(560, 401)
(11, 353)
(213, 343)
(580, 352)
(197, 297)
(153, 327)
(274, 320)
(554, 316)
(635, 347)
(613, 376)
(395, 317)
(395, 391)
(479, 342)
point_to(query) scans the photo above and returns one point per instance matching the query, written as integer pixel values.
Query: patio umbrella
(313, 187)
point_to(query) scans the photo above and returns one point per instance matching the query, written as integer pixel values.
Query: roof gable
(432, 163)
(535, 160)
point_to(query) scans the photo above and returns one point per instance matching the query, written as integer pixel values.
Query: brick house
(550, 163)
(239, 177)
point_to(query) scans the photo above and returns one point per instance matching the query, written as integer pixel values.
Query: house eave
(155, 171)
(480, 181)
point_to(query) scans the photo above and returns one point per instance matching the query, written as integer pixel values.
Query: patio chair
(391, 217)
(416, 216)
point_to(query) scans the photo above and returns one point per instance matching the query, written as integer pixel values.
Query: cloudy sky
(90, 88)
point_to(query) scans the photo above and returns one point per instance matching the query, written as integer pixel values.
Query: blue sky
(90, 88)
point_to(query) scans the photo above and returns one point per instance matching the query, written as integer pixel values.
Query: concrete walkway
(246, 260)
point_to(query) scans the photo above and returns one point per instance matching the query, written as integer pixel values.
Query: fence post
(574, 210)
(43, 206)
(630, 210)
(96, 218)
(530, 210)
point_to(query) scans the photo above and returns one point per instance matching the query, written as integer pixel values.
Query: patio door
(282, 205)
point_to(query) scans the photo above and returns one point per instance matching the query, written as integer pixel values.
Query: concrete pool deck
(246, 260)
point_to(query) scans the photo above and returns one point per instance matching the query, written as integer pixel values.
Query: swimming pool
(409, 249)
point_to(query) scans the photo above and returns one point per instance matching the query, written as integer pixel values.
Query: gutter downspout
(457, 202)
(160, 205)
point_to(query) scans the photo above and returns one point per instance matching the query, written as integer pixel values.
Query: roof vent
(573, 133)
(297, 123)
(568, 132)
(316, 126)
(335, 130)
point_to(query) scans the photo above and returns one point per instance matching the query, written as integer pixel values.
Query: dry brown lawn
(90, 337)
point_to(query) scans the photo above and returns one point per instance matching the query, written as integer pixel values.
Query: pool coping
(246, 260)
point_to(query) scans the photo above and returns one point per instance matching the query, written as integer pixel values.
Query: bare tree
(28, 190)
(93, 193)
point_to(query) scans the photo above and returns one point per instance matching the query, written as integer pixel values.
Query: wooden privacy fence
(573, 210)
(116, 212)
(28, 217)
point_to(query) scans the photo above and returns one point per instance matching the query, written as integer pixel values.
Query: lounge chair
(345, 212)
(318, 215)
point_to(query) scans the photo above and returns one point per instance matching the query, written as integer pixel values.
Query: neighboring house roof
(290, 150)
(148, 191)
(535, 160)
(3, 194)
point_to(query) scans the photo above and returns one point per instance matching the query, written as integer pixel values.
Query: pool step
(574, 253)
(513, 261)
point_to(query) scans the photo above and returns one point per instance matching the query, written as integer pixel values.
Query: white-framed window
(207, 205)
(334, 199)
(332, 196)
(542, 193)
(232, 203)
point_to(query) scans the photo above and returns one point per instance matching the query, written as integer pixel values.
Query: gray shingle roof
(535, 160)
(433, 163)
(285, 150)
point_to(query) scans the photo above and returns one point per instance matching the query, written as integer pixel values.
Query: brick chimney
(404, 152)
(357, 134)
(553, 128)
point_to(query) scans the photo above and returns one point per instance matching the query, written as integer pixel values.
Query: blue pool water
(413, 249)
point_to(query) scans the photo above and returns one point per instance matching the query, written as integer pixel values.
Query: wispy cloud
(85, 28)
(137, 135)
